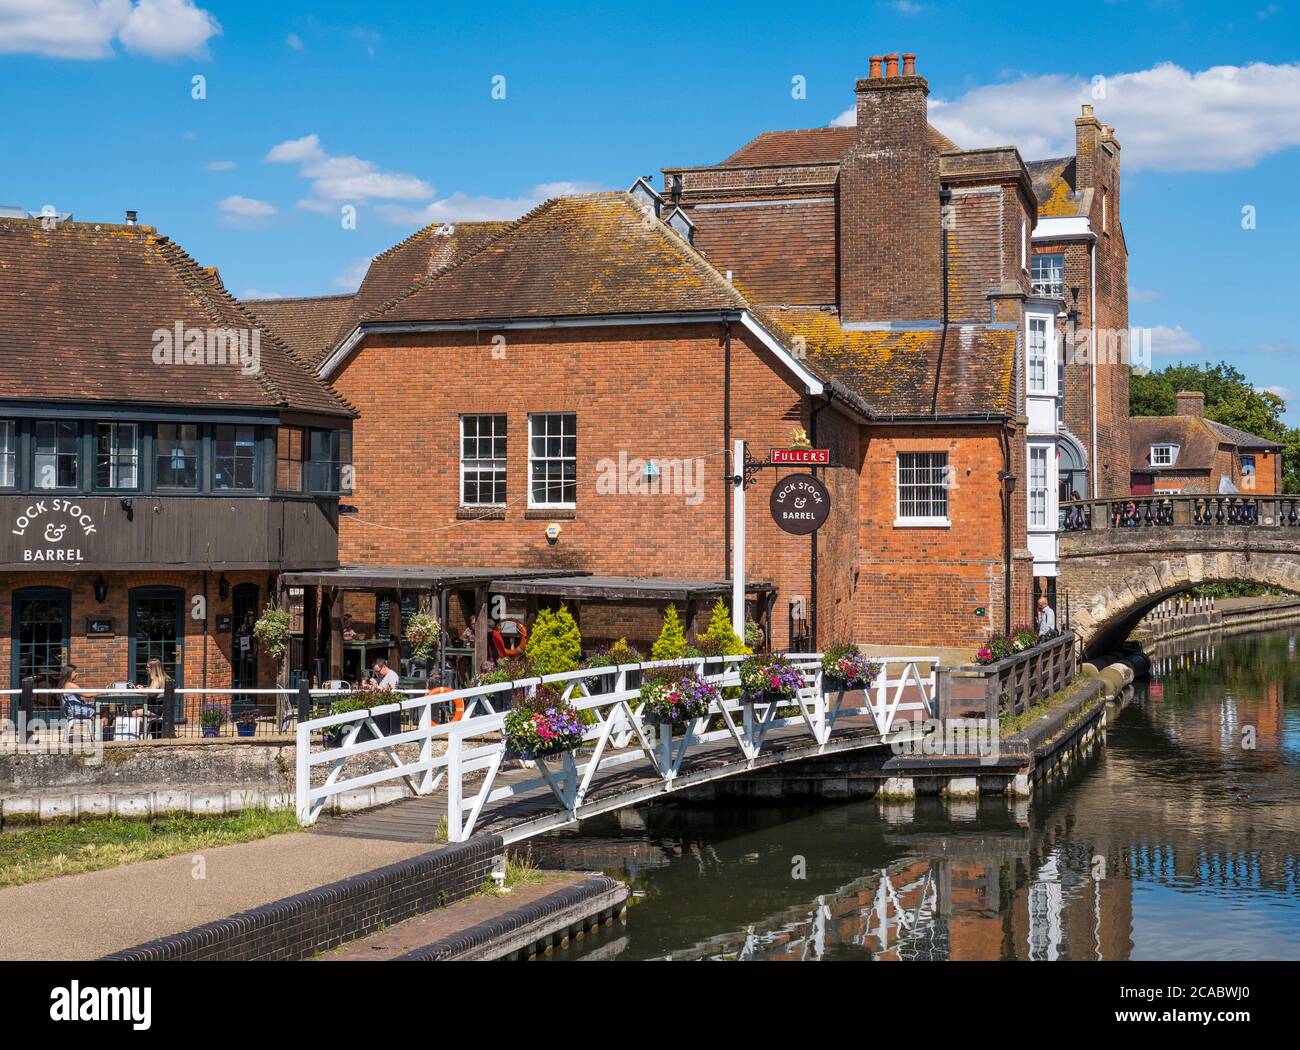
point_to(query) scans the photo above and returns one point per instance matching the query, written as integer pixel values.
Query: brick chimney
(1088, 131)
(889, 221)
(1191, 403)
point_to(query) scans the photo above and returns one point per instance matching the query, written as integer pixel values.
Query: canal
(1177, 840)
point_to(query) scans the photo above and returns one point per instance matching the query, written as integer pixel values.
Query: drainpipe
(945, 198)
(1008, 480)
(1092, 372)
(812, 570)
(726, 444)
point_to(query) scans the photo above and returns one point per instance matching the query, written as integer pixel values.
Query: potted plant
(246, 721)
(542, 725)
(997, 649)
(212, 717)
(844, 667)
(272, 630)
(675, 700)
(1023, 638)
(612, 656)
(768, 680)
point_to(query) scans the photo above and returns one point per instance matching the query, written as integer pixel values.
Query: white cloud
(87, 29)
(257, 293)
(294, 41)
(339, 178)
(221, 165)
(350, 279)
(1174, 340)
(1141, 295)
(1165, 118)
(1280, 391)
(246, 212)
(462, 207)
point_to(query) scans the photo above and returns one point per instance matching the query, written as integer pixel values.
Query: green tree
(719, 639)
(555, 644)
(671, 642)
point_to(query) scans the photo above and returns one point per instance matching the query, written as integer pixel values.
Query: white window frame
(914, 520)
(1047, 386)
(1043, 452)
(8, 454)
(477, 463)
(1173, 455)
(1049, 287)
(533, 459)
(118, 451)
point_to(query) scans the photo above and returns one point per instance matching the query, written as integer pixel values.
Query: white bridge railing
(472, 751)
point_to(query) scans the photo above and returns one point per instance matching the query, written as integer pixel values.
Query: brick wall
(643, 392)
(924, 584)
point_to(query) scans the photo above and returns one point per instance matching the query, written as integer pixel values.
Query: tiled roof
(435, 247)
(571, 256)
(308, 325)
(809, 146)
(79, 306)
(1197, 439)
(895, 372)
(1054, 182)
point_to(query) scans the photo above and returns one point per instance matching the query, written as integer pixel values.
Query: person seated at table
(382, 677)
(75, 707)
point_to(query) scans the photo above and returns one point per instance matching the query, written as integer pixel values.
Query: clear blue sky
(99, 117)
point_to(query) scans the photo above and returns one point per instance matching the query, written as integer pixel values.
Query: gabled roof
(964, 373)
(307, 324)
(593, 254)
(1197, 439)
(809, 146)
(80, 304)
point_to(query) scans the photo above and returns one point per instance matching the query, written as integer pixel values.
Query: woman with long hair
(158, 677)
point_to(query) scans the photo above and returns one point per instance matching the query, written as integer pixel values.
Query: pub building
(162, 461)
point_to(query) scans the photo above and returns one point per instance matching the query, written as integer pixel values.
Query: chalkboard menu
(410, 605)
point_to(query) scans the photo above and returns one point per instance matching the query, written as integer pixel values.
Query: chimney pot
(130, 218)
(909, 65)
(1087, 110)
(875, 67)
(891, 64)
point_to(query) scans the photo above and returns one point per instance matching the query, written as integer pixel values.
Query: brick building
(542, 394)
(1188, 453)
(162, 458)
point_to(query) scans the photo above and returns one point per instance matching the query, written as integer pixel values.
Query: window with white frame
(1037, 370)
(553, 460)
(1164, 455)
(8, 454)
(1038, 491)
(117, 455)
(922, 488)
(1047, 273)
(483, 460)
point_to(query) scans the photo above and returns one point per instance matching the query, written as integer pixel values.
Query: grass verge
(1009, 724)
(48, 850)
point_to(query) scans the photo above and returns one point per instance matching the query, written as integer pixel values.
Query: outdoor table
(127, 699)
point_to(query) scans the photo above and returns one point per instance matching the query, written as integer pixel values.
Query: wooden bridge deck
(537, 810)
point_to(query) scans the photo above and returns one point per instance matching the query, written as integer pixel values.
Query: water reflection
(1176, 840)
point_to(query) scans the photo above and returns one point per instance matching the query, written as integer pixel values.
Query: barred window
(923, 487)
(1038, 485)
(1048, 273)
(553, 460)
(483, 461)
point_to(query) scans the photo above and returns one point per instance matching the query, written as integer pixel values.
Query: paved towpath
(90, 915)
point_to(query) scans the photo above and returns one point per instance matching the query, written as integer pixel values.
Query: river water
(1179, 839)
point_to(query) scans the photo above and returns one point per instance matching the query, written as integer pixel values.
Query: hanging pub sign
(816, 457)
(800, 504)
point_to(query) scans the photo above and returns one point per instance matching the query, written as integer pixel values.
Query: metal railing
(465, 757)
(163, 714)
(1148, 512)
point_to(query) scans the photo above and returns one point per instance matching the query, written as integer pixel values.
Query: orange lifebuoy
(458, 703)
(523, 636)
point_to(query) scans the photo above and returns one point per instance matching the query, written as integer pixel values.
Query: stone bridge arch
(1111, 577)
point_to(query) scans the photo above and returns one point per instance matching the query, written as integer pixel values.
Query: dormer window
(1164, 455)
